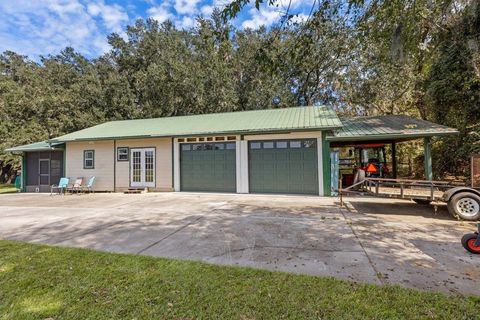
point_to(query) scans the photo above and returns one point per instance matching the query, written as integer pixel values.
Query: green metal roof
(388, 127)
(37, 146)
(242, 122)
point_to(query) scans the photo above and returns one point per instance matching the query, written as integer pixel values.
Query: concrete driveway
(369, 240)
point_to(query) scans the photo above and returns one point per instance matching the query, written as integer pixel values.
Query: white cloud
(39, 27)
(206, 10)
(186, 7)
(299, 18)
(113, 16)
(186, 12)
(160, 13)
(45, 27)
(266, 16)
(185, 22)
(221, 3)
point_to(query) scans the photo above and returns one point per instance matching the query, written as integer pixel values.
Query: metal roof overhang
(193, 134)
(25, 148)
(387, 138)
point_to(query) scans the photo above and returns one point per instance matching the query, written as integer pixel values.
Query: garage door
(208, 167)
(283, 166)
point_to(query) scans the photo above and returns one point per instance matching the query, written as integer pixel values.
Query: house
(285, 151)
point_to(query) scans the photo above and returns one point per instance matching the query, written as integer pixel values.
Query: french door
(142, 167)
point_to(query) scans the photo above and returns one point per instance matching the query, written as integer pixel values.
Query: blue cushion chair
(60, 187)
(89, 186)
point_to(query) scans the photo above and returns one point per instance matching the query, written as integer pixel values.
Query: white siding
(242, 166)
(163, 163)
(176, 164)
(103, 167)
(106, 161)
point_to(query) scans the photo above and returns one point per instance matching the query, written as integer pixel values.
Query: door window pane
(281, 144)
(136, 166)
(295, 144)
(149, 158)
(219, 146)
(309, 144)
(208, 146)
(44, 166)
(268, 145)
(255, 145)
(44, 180)
(197, 147)
(186, 147)
(230, 146)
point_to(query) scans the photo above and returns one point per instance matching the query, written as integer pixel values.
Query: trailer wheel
(465, 205)
(468, 242)
(422, 201)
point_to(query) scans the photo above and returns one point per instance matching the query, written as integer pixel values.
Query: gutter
(241, 132)
(390, 136)
(13, 150)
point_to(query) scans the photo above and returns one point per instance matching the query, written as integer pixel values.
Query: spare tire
(465, 205)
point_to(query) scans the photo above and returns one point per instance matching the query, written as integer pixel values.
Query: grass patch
(7, 188)
(38, 282)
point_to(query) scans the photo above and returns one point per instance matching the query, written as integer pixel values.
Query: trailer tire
(468, 242)
(422, 201)
(465, 205)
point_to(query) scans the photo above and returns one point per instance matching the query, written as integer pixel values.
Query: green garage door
(208, 167)
(283, 166)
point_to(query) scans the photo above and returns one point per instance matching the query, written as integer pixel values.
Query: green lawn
(7, 188)
(39, 282)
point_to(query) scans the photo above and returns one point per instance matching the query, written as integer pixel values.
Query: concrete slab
(372, 240)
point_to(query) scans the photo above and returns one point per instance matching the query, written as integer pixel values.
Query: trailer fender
(450, 192)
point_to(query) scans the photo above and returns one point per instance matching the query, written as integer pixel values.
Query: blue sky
(41, 27)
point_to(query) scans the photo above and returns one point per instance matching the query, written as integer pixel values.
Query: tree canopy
(415, 57)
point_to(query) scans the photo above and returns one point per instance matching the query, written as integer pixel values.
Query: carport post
(326, 167)
(394, 160)
(427, 158)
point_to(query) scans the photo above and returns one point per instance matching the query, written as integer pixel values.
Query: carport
(365, 132)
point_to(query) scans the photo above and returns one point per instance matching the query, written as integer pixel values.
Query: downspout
(173, 164)
(114, 165)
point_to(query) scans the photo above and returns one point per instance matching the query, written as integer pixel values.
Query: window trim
(128, 154)
(85, 159)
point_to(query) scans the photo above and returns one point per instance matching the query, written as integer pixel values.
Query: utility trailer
(462, 202)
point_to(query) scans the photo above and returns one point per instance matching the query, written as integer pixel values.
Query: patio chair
(60, 187)
(89, 186)
(76, 186)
